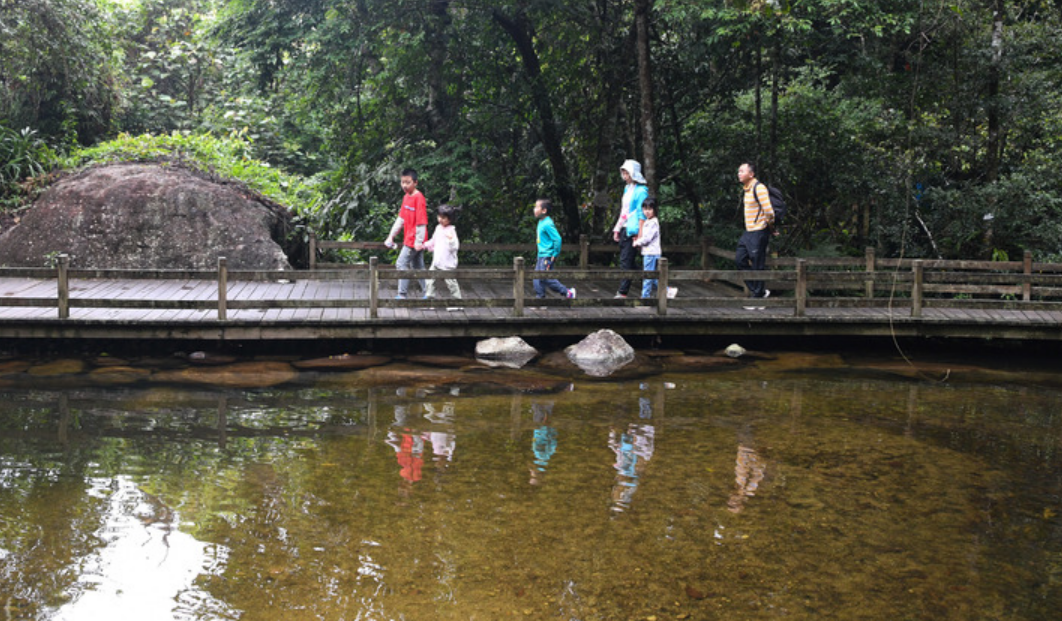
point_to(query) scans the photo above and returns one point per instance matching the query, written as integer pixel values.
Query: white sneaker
(571, 293)
(766, 294)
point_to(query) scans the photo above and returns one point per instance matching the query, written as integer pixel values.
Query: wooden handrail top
(507, 274)
(491, 247)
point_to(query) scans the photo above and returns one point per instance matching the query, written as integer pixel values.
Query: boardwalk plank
(237, 290)
(253, 291)
(295, 292)
(173, 290)
(272, 315)
(16, 287)
(103, 290)
(38, 289)
(142, 290)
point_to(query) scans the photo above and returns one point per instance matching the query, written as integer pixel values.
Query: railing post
(1026, 287)
(584, 251)
(916, 289)
(63, 286)
(374, 287)
(223, 288)
(704, 253)
(518, 287)
(871, 266)
(661, 287)
(313, 251)
(801, 288)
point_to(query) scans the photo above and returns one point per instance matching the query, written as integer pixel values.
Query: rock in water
(601, 353)
(735, 351)
(148, 216)
(511, 352)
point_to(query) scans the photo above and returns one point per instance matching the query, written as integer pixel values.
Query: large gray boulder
(601, 354)
(150, 216)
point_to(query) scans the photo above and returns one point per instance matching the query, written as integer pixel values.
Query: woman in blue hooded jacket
(630, 218)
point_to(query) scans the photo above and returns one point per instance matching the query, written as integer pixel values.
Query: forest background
(924, 128)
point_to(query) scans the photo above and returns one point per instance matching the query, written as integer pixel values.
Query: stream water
(798, 487)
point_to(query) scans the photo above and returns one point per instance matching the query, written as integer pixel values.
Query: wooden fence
(796, 283)
(703, 251)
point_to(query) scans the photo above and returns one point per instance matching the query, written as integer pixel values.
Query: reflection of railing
(799, 284)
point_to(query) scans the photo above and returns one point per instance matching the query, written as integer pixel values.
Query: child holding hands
(649, 241)
(444, 244)
(412, 223)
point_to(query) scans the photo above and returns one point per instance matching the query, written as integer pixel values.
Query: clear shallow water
(801, 488)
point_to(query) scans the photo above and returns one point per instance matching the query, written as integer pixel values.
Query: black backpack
(777, 204)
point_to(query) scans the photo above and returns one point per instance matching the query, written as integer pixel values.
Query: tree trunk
(687, 184)
(616, 67)
(776, 68)
(642, 10)
(602, 164)
(436, 30)
(994, 123)
(992, 157)
(522, 33)
(759, 115)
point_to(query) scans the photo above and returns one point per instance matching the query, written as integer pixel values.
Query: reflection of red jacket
(410, 457)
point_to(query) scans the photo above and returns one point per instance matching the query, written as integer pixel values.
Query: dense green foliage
(224, 158)
(927, 128)
(23, 155)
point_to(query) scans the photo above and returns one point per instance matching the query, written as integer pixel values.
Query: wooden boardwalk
(302, 306)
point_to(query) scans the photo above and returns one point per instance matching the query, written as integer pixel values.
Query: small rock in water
(504, 348)
(209, 358)
(512, 352)
(735, 351)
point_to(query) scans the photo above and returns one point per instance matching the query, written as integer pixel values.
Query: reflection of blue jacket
(626, 457)
(549, 240)
(544, 445)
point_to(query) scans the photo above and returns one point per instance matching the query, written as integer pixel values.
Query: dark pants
(544, 264)
(752, 255)
(627, 257)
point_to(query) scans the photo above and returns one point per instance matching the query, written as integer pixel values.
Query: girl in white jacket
(444, 244)
(649, 241)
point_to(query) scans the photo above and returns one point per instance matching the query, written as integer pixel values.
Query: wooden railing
(796, 283)
(704, 251)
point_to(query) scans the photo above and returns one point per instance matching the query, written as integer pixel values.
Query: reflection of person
(544, 440)
(408, 443)
(443, 441)
(409, 451)
(758, 214)
(549, 246)
(412, 222)
(748, 472)
(444, 244)
(630, 218)
(633, 449)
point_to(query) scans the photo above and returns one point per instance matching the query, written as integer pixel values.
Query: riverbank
(453, 363)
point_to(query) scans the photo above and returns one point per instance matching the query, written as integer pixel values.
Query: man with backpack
(759, 216)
